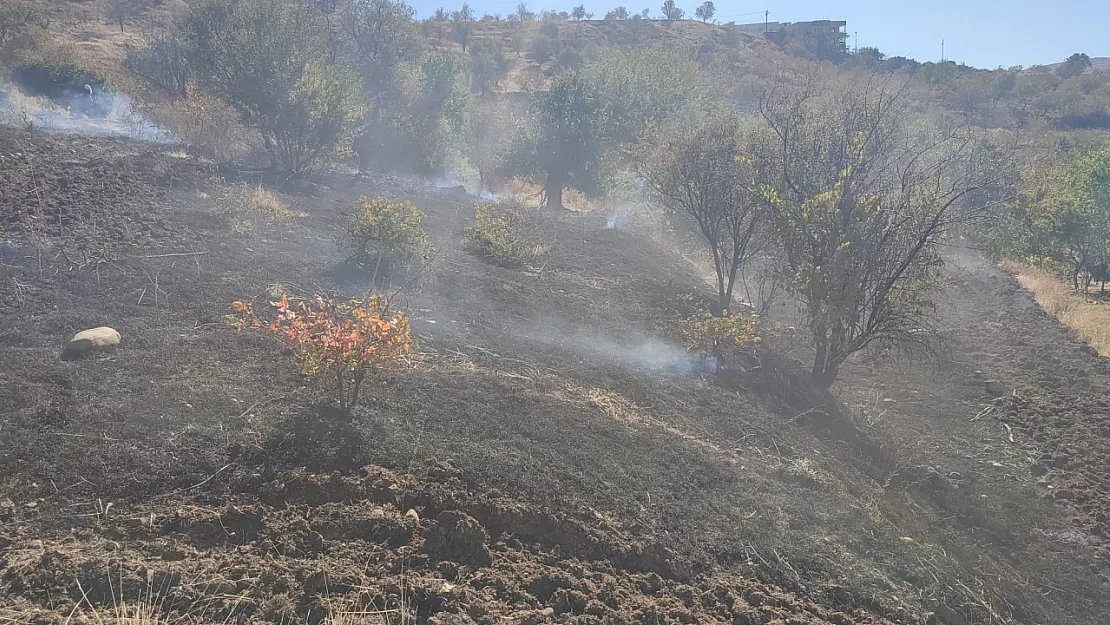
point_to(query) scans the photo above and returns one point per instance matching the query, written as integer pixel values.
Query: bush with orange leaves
(343, 341)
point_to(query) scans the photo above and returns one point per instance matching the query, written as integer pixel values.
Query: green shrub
(384, 234)
(505, 235)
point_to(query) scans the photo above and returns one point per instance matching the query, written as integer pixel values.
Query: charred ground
(556, 470)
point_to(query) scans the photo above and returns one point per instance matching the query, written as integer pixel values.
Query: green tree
(705, 11)
(543, 47)
(619, 13)
(523, 13)
(1072, 216)
(487, 65)
(579, 13)
(1075, 65)
(861, 202)
(572, 122)
(269, 60)
(671, 11)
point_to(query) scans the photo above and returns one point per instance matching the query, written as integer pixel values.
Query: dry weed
(1089, 319)
(248, 207)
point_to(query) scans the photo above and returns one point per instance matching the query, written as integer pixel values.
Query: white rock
(92, 340)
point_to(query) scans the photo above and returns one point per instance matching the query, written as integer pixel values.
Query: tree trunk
(824, 374)
(824, 371)
(553, 191)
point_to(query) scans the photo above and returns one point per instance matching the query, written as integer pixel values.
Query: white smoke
(632, 350)
(104, 113)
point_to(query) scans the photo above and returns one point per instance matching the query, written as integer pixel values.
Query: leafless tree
(861, 201)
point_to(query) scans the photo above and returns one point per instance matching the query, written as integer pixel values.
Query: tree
(487, 65)
(705, 11)
(1075, 65)
(268, 60)
(645, 14)
(1070, 216)
(119, 11)
(523, 13)
(161, 61)
(579, 13)
(385, 46)
(619, 13)
(491, 125)
(572, 125)
(702, 176)
(860, 204)
(671, 11)
(543, 47)
(420, 133)
(464, 14)
(461, 32)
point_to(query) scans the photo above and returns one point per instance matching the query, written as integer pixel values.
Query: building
(826, 38)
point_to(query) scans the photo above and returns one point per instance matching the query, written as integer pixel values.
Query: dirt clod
(458, 537)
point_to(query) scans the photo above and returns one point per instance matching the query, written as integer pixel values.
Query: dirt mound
(304, 562)
(85, 189)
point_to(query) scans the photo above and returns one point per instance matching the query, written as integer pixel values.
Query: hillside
(571, 439)
(562, 461)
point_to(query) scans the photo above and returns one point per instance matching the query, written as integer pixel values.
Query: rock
(411, 514)
(92, 340)
(7, 510)
(651, 584)
(995, 388)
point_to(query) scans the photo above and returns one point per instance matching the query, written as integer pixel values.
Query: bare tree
(119, 11)
(861, 203)
(702, 176)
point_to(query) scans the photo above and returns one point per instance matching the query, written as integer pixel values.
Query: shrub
(248, 207)
(343, 341)
(504, 235)
(384, 233)
(722, 338)
(543, 47)
(22, 27)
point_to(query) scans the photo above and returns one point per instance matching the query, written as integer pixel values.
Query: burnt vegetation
(541, 318)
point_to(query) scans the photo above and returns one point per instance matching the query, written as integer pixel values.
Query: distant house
(822, 36)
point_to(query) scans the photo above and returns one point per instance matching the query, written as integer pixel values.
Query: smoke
(101, 113)
(631, 350)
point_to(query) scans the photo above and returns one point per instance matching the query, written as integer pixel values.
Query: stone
(7, 510)
(89, 341)
(995, 388)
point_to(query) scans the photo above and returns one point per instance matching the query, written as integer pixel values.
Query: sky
(981, 33)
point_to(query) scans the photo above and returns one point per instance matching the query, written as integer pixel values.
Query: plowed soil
(550, 455)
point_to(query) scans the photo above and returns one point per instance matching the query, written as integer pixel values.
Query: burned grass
(562, 461)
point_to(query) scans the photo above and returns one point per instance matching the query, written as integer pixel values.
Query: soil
(551, 454)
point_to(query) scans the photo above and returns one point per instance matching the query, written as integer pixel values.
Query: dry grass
(1089, 319)
(248, 207)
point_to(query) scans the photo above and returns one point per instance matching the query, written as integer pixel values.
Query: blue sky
(983, 33)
